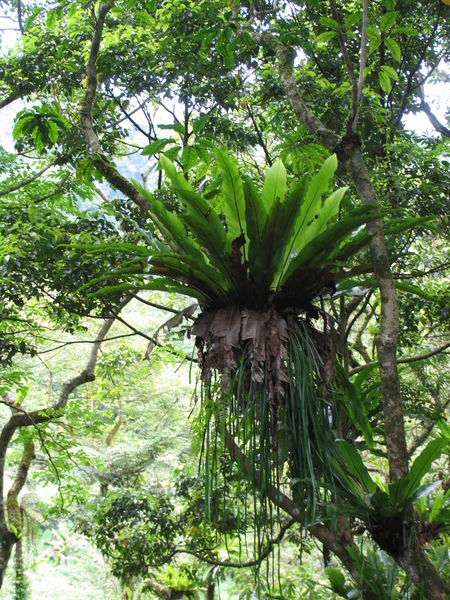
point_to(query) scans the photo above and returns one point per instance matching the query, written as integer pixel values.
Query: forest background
(225, 300)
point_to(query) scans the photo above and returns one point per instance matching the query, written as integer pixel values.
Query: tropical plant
(259, 278)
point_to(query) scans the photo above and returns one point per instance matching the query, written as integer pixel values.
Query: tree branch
(353, 120)
(14, 513)
(410, 359)
(44, 415)
(242, 565)
(25, 182)
(362, 64)
(444, 131)
(100, 160)
(278, 498)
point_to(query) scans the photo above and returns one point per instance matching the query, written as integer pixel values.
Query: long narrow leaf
(196, 205)
(313, 199)
(328, 211)
(274, 187)
(400, 490)
(186, 267)
(207, 238)
(264, 267)
(356, 467)
(326, 241)
(162, 284)
(177, 179)
(255, 213)
(233, 192)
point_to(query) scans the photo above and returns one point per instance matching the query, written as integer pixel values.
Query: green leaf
(255, 213)
(162, 284)
(330, 209)
(372, 33)
(326, 36)
(228, 55)
(421, 466)
(178, 127)
(328, 22)
(424, 491)
(387, 20)
(352, 19)
(265, 265)
(201, 209)
(156, 146)
(390, 72)
(414, 289)
(323, 245)
(393, 48)
(200, 123)
(214, 245)
(233, 192)
(312, 201)
(401, 491)
(337, 581)
(189, 158)
(172, 153)
(177, 179)
(381, 504)
(274, 187)
(356, 466)
(353, 403)
(374, 45)
(409, 31)
(187, 270)
(291, 208)
(385, 82)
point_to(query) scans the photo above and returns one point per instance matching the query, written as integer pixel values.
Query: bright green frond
(233, 192)
(312, 203)
(274, 187)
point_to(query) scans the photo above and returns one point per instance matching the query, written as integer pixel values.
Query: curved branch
(242, 565)
(442, 129)
(99, 159)
(25, 182)
(328, 538)
(14, 513)
(44, 415)
(410, 359)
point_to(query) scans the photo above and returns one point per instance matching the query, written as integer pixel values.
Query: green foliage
(135, 530)
(41, 124)
(288, 243)
(394, 503)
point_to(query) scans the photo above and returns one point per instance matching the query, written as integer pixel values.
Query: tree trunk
(7, 541)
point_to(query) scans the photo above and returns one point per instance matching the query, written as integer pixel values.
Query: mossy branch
(14, 512)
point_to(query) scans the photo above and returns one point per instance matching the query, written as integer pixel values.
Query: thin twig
(410, 359)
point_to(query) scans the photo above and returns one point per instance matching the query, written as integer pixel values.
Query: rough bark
(420, 570)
